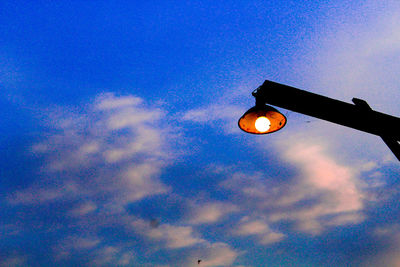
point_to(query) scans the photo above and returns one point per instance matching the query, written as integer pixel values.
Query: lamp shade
(262, 119)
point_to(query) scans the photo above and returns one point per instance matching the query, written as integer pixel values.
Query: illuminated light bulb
(262, 124)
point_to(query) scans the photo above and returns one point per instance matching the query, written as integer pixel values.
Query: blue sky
(120, 147)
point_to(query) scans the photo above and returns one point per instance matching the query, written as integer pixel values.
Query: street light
(359, 116)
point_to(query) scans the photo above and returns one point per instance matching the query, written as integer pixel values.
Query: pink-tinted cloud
(322, 193)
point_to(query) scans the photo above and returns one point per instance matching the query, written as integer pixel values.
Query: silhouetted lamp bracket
(264, 119)
(261, 119)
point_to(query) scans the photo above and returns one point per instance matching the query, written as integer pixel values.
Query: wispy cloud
(115, 146)
(259, 228)
(38, 195)
(334, 188)
(210, 212)
(111, 255)
(222, 112)
(322, 193)
(216, 114)
(76, 243)
(83, 209)
(99, 159)
(184, 237)
(172, 236)
(212, 254)
(94, 251)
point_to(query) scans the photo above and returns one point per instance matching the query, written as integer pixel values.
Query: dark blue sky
(119, 141)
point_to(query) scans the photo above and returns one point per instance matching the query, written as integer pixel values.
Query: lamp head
(262, 119)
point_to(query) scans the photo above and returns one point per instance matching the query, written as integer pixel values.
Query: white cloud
(40, 195)
(109, 101)
(146, 142)
(79, 243)
(140, 181)
(175, 236)
(96, 161)
(185, 238)
(251, 185)
(259, 228)
(126, 259)
(83, 209)
(210, 212)
(216, 254)
(115, 146)
(111, 255)
(212, 113)
(70, 245)
(95, 252)
(252, 228)
(221, 116)
(172, 236)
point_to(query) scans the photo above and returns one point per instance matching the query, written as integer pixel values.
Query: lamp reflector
(262, 119)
